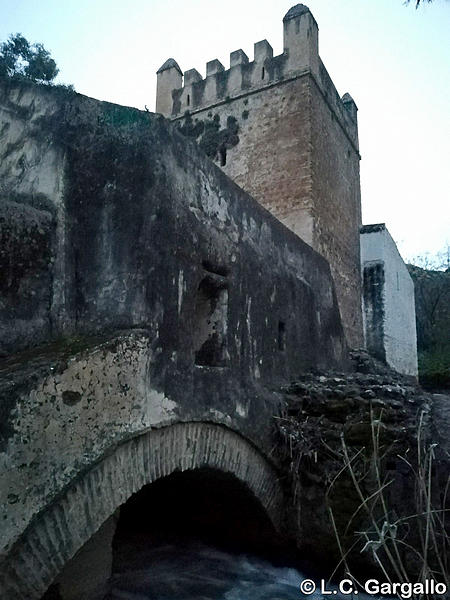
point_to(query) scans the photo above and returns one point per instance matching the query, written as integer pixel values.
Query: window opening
(281, 336)
(215, 268)
(211, 320)
(223, 156)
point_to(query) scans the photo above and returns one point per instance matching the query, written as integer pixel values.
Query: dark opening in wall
(281, 335)
(263, 72)
(373, 295)
(188, 100)
(215, 268)
(52, 593)
(223, 156)
(204, 505)
(210, 322)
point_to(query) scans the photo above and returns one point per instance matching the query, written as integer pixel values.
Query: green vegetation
(434, 368)
(431, 276)
(20, 59)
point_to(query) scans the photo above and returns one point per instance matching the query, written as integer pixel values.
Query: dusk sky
(393, 60)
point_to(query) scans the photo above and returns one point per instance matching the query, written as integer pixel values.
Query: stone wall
(32, 209)
(87, 574)
(337, 206)
(144, 230)
(279, 129)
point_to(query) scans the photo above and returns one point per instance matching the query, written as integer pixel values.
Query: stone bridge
(148, 310)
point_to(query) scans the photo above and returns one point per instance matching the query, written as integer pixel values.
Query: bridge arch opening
(200, 506)
(190, 532)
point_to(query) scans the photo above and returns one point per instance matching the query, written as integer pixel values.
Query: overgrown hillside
(432, 293)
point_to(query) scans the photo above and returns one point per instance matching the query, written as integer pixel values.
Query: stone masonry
(279, 129)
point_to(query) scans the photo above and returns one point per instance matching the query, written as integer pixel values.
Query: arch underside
(65, 526)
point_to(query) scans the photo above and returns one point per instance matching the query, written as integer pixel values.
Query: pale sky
(393, 60)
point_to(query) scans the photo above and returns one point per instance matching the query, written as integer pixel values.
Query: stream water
(194, 571)
(200, 535)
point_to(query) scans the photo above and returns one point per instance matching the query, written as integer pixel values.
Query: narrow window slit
(223, 156)
(281, 336)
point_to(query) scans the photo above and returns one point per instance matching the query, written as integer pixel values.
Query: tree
(41, 66)
(432, 293)
(19, 58)
(418, 2)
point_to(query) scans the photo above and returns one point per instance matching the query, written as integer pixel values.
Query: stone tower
(279, 129)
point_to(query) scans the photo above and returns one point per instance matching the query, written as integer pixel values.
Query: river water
(200, 535)
(194, 571)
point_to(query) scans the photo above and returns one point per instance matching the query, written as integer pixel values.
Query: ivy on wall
(212, 139)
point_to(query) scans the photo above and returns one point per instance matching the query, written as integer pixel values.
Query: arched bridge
(93, 431)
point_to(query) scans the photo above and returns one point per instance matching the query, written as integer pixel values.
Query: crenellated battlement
(221, 85)
(177, 93)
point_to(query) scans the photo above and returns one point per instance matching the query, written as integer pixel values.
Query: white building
(388, 301)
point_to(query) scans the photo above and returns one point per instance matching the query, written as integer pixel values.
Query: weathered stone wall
(144, 221)
(161, 294)
(87, 574)
(267, 154)
(389, 306)
(31, 192)
(279, 129)
(336, 207)
(64, 407)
